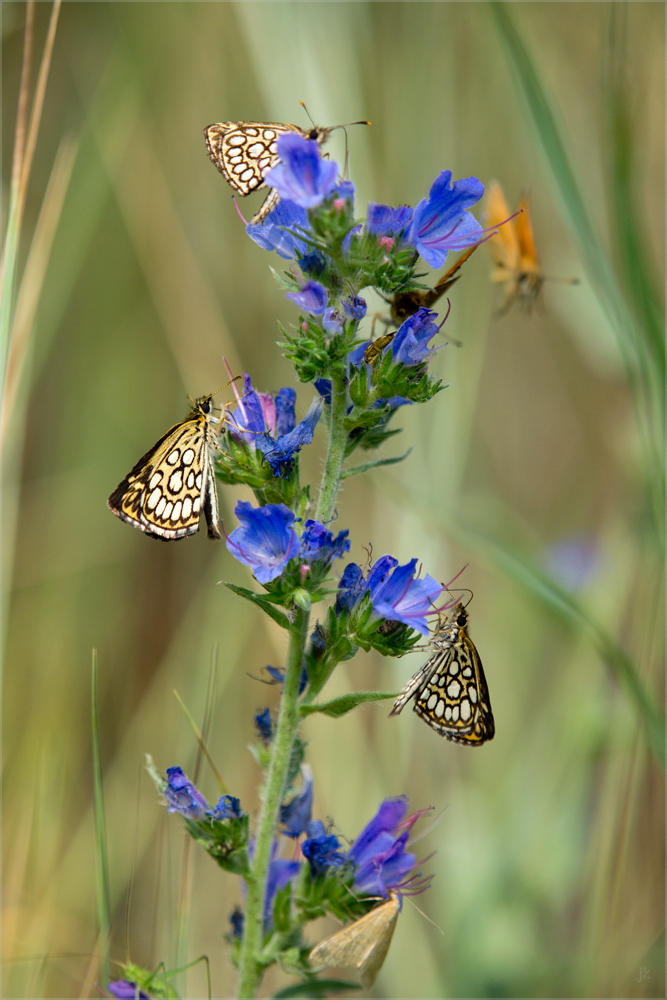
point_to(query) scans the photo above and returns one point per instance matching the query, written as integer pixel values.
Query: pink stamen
(238, 210)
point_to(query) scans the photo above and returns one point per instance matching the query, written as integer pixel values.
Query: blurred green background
(535, 466)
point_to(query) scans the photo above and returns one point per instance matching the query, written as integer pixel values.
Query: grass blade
(644, 368)
(103, 891)
(561, 601)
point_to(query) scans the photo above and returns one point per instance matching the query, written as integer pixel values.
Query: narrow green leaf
(103, 892)
(344, 704)
(564, 604)
(263, 603)
(357, 470)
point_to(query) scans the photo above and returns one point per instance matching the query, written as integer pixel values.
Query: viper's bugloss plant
(295, 869)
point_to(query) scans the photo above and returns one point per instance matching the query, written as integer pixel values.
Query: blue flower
(351, 588)
(395, 593)
(227, 807)
(302, 176)
(404, 598)
(322, 850)
(263, 723)
(383, 220)
(313, 263)
(323, 386)
(312, 298)
(441, 223)
(270, 426)
(378, 854)
(279, 452)
(182, 796)
(280, 231)
(278, 674)
(319, 544)
(266, 540)
(123, 989)
(410, 345)
(355, 307)
(296, 815)
(281, 872)
(236, 920)
(332, 321)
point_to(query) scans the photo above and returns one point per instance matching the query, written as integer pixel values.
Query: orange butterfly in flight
(514, 253)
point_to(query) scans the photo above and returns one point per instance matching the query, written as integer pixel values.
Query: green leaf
(263, 603)
(344, 704)
(356, 470)
(315, 988)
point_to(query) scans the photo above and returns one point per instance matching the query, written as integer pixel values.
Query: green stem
(288, 719)
(336, 453)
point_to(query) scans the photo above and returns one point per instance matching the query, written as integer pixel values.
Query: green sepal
(282, 908)
(263, 602)
(334, 647)
(344, 704)
(225, 840)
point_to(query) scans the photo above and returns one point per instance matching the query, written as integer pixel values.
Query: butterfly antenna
(424, 916)
(303, 105)
(562, 281)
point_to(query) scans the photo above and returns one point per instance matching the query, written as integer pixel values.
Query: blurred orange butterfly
(513, 250)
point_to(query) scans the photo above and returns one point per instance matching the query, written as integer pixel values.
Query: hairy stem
(288, 719)
(336, 451)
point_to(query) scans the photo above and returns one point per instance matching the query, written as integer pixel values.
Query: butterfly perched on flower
(168, 488)
(244, 152)
(450, 690)
(405, 304)
(513, 250)
(363, 944)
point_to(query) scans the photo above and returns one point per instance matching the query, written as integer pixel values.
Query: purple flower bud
(182, 796)
(295, 816)
(312, 298)
(227, 807)
(383, 220)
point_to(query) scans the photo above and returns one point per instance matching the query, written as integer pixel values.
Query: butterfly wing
(244, 152)
(363, 944)
(165, 491)
(524, 233)
(418, 681)
(455, 699)
(503, 245)
(449, 278)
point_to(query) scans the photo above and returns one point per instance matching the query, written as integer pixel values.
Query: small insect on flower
(244, 152)
(406, 304)
(167, 489)
(450, 690)
(513, 250)
(363, 944)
